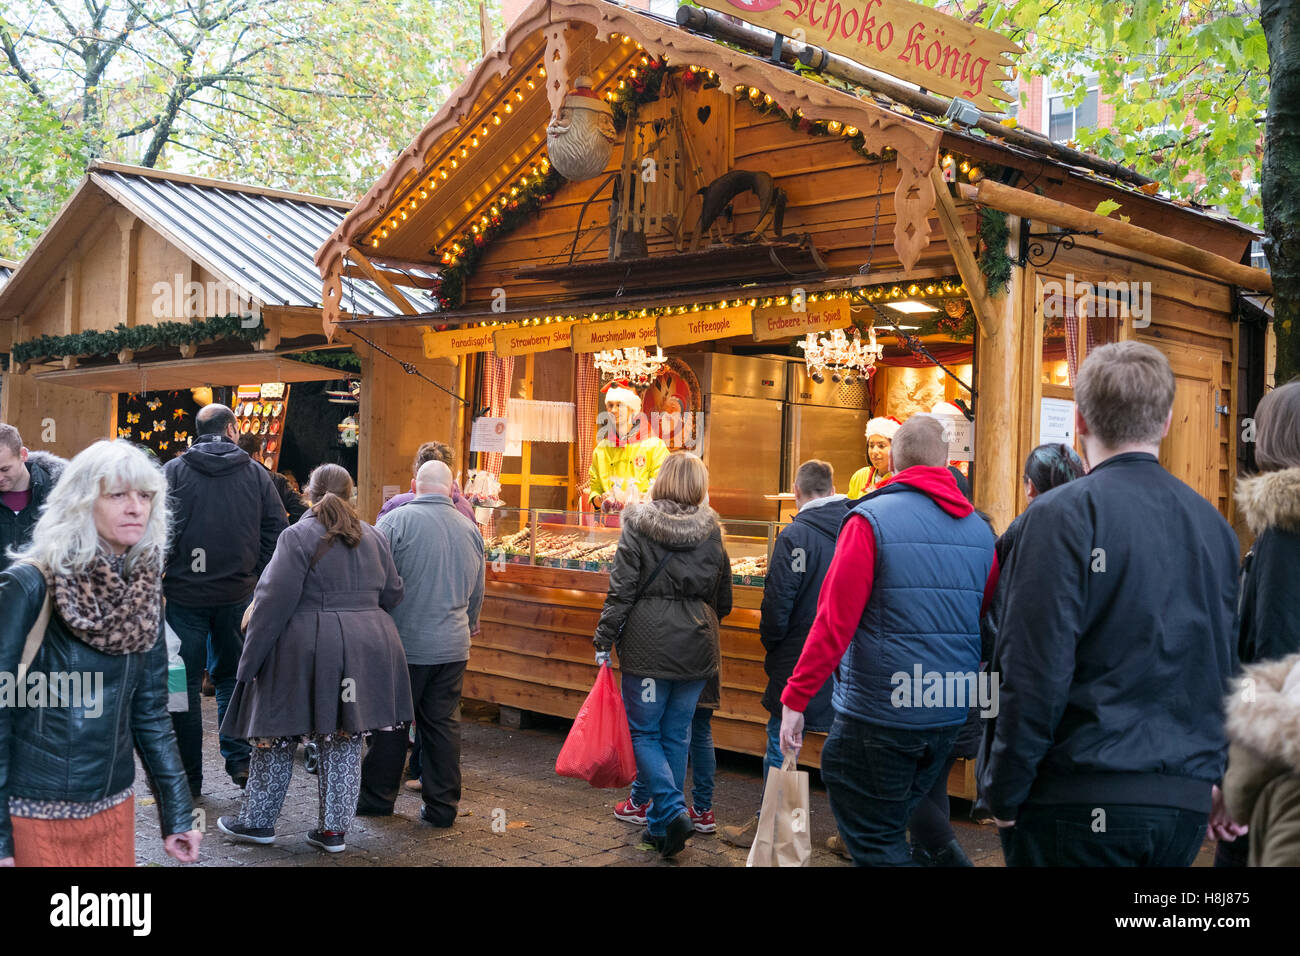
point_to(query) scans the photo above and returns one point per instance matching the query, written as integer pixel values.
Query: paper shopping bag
(783, 837)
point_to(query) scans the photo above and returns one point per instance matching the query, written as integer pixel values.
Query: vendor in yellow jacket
(621, 451)
(880, 437)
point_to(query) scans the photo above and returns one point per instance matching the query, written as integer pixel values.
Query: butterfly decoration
(124, 433)
(133, 418)
(178, 413)
(159, 426)
(145, 436)
(154, 404)
(163, 445)
(179, 436)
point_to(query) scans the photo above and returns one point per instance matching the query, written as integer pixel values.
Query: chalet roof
(454, 187)
(254, 238)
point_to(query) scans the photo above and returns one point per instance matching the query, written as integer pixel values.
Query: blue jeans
(773, 758)
(659, 714)
(703, 761)
(875, 776)
(196, 626)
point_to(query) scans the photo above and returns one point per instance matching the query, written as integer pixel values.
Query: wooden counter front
(534, 652)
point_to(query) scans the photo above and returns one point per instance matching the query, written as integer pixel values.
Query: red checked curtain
(498, 373)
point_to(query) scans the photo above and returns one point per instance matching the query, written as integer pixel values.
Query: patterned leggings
(270, 768)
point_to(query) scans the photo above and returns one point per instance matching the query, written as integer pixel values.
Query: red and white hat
(621, 391)
(885, 427)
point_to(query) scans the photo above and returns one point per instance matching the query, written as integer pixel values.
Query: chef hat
(624, 394)
(884, 427)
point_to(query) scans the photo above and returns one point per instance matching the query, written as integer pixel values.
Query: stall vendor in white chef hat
(880, 436)
(625, 451)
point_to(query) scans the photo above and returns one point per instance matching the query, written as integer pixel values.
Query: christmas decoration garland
(644, 85)
(993, 259)
(344, 360)
(138, 338)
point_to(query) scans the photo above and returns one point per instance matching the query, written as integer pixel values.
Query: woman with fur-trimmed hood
(1270, 503)
(1262, 786)
(668, 588)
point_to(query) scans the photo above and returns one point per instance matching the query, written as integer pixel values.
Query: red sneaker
(629, 812)
(703, 822)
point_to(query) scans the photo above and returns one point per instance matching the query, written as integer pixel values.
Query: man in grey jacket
(440, 558)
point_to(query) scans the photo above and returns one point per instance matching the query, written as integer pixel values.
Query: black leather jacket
(83, 753)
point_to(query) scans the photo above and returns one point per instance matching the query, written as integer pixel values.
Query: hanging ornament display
(580, 139)
(348, 432)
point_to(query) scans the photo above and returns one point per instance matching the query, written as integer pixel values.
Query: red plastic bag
(599, 746)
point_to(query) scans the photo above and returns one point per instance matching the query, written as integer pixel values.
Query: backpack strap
(36, 636)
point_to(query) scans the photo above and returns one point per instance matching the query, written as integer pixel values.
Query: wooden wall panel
(159, 263)
(78, 416)
(101, 277)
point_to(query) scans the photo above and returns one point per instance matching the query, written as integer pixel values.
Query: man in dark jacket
(898, 616)
(1115, 646)
(294, 506)
(227, 518)
(26, 479)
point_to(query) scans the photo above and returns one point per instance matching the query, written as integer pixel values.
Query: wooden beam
(1028, 205)
(129, 265)
(987, 314)
(379, 279)
(72, 295)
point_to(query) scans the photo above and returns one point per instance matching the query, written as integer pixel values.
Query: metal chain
(915, 346)
(875, 224)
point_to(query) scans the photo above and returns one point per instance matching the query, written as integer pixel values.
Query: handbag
(784, 837)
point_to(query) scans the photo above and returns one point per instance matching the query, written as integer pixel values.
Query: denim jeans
(875, 776)
(196, 627)
(659, 714)
(773, 758)
(702, 760)
(1103, 835)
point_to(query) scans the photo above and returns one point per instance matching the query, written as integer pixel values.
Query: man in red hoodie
(898, 622)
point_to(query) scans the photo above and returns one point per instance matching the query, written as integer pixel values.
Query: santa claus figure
(626, 457)
(581, 137)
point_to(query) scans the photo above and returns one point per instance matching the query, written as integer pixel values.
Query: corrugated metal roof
(262, 243)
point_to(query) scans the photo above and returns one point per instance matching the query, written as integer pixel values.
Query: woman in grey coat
(669, 587)
(322, 661)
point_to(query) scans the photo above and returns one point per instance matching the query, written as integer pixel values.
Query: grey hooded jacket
(671, 632)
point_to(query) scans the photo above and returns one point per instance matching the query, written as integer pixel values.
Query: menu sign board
(904, 39)
(781, 322)
(705, 325)
(533, 338)
(458, 342)
(616, 334)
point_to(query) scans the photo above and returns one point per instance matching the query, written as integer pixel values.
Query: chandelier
(847, 359)
(635, 365)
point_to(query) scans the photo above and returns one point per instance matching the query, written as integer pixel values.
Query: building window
(1063, 121)
(1257, 257)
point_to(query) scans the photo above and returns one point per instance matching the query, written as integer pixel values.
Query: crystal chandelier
(847, 359)
(635, 365)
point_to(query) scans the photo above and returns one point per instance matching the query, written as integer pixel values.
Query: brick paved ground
(550, 820)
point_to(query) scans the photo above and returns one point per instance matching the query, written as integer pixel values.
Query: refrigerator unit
(744, 402)
(825, 421)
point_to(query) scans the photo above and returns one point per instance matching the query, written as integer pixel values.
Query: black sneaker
(650, 839)
(331, 841)
(441, 821)
(242, 834)
(239, 776)
(679, 831)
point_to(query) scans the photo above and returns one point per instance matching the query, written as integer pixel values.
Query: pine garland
(138, 338)
(994, 261)
(344, 360)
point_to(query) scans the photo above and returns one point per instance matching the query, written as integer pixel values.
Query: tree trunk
(1281, 174)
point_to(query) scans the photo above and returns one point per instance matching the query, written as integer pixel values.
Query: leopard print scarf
(112, 613)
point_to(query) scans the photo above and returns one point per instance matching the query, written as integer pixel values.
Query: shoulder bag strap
(640, 591)
(37, 634)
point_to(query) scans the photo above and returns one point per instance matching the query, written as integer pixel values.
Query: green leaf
(1106, 207)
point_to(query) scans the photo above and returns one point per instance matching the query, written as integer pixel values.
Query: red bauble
(479, 241)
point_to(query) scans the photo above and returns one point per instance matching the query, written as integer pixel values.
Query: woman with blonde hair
(669, 587)
(83, 605)
(322, 663)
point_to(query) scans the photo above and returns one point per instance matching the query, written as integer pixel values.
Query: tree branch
(29, 81)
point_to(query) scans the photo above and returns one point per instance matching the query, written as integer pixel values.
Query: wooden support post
(381, 280)
(986, 312)
(72, 295)
(998, 408)
(129, 263)
(1041, 209)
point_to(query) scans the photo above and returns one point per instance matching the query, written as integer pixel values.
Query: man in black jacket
(1116, 644)
(227, 517)
(26, 479)
(800, 557)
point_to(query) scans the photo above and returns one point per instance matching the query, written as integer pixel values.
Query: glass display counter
(580, 541)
